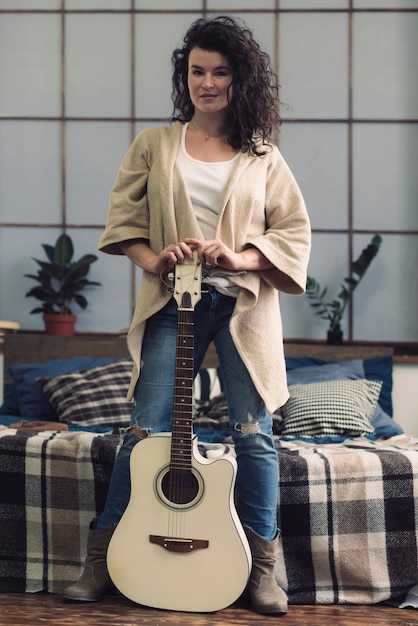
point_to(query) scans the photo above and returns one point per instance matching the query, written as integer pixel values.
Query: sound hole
(180, 486)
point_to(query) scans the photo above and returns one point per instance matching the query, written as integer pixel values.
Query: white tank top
(205, 182)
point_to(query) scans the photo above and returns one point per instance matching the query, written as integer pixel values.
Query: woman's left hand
(217, 254)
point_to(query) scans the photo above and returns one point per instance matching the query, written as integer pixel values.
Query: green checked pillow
(331, 408)
(91, 397)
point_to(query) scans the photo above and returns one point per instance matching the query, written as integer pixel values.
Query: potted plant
(60, 282)
(334, 311)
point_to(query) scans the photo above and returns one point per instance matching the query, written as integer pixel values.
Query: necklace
(205, 136)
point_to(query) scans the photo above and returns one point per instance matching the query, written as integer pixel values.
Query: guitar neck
(187, 294)
(182, 428)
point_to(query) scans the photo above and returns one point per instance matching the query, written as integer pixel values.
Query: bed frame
(30, 347)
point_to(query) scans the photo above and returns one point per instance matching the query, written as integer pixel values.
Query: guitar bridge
(176, 544)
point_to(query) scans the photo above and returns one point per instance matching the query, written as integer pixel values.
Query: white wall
(405, 397)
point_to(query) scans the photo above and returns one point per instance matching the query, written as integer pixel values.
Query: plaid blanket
(349, 519)
(348, 514)
(52, 484)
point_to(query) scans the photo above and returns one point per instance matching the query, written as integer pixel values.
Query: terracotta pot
(56, 324)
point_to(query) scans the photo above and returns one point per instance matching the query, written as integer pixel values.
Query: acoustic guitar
(180, 545)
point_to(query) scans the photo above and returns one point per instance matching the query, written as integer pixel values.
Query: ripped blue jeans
(250, 423)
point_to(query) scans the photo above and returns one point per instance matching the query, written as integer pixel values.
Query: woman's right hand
(176, 253)
(139, 252)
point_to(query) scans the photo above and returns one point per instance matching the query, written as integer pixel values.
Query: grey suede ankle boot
(95, 581)
(265, 594)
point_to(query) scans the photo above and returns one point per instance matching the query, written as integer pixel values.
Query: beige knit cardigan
(262, 207)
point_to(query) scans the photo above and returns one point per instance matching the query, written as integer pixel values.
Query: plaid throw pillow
(331, 408)
(91, 397)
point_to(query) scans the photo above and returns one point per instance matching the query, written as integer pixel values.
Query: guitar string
(189, 281)
(176, 515)
(178, 477)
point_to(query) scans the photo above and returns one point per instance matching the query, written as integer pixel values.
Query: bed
(348, 474)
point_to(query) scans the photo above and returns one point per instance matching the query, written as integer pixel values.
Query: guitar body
(181, 549)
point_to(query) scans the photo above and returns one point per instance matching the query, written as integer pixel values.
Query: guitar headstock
(187, 277)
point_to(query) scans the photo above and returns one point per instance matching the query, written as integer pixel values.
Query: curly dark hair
(253, 113)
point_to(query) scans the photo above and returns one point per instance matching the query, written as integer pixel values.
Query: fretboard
(182, 428)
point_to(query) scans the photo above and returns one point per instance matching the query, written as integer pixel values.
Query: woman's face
(209, 80)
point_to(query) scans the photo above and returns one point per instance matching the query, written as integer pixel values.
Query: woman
(211, 182)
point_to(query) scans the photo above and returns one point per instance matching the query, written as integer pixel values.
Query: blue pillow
(384, 426)
(10, 404)
(377, 368)
(33, 403)
(293, 362)
(380, 368)
(345, 370)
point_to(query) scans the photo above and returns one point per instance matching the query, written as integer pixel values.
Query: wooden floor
(50, 609)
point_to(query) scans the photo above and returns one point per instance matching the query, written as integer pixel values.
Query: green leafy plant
(334, 311)
(60, 279)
